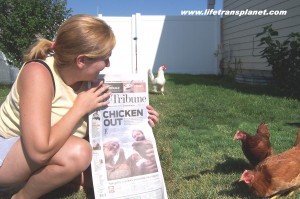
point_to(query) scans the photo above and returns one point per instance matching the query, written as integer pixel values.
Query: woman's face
(94, 66)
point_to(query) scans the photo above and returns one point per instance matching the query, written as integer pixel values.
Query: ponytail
(80, 34)
(39, 50)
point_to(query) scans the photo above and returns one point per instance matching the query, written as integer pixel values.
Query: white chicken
(158, 83)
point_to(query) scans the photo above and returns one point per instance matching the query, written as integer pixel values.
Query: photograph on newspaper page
(125, 162)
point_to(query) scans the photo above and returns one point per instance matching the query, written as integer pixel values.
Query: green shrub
(284, 57)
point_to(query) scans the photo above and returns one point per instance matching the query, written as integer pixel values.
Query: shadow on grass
(230, 165)
(238, 190)
(233, 165)
(295, 124)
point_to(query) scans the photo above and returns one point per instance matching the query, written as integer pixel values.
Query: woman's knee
(83, 153)
(80, 153)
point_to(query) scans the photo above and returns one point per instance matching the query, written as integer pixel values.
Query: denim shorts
(5, 146)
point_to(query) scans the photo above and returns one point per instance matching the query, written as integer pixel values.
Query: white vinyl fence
(186, 44)
(8, 73)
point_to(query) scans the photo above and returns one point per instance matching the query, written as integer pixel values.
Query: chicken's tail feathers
(150, 74)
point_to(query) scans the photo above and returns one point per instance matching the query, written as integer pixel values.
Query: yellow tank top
(62, 102)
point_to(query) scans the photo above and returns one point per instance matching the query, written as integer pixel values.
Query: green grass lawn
(199, 116)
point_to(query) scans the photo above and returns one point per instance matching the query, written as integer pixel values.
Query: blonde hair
(80, 34)
(39, 50)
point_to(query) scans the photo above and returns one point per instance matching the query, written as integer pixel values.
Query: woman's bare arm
(35, 87)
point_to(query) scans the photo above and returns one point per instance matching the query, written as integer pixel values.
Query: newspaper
(125, 162)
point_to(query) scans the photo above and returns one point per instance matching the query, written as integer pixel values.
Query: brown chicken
(256, 147)
(276, 175)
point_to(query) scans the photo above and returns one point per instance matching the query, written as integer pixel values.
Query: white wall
(121, 59)
(239, 32)
(186, 44)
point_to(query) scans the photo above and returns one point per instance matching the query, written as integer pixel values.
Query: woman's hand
(93, 98)
(153, 117)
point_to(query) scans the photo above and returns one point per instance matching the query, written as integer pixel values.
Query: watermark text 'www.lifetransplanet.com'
(233, 12)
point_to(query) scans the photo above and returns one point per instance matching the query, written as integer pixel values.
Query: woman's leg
(72, 159)
(82, 182)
